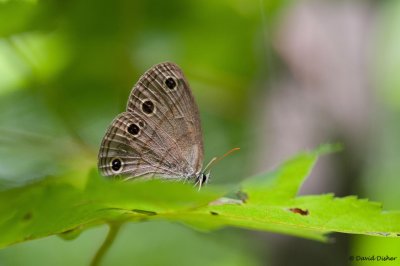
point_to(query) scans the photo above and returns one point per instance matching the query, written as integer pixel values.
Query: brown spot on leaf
(27, 216)
(214, 213)
(299, 211)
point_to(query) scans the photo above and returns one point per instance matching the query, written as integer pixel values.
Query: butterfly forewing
(160, 134)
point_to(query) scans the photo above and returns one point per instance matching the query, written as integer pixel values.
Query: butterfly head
(202, 179)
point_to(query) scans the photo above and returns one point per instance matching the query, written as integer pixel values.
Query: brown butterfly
(159, 134)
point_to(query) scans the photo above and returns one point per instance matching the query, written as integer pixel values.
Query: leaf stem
(112, 233)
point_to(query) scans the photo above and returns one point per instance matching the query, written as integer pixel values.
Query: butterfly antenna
(210, 163)
(217, 159)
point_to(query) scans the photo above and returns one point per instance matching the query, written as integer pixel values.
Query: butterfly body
(159, 134)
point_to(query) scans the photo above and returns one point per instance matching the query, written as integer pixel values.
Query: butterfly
(159, 135)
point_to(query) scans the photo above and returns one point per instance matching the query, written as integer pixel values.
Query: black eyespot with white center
(148, 107)
(170, 83)
(133, 129)
(116, 165)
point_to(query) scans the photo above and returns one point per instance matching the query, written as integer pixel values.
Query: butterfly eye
(148, 107)
(134, 129)
(116, 165)
(170, 83)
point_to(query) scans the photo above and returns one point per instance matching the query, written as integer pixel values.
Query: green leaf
(51, 207)
(265, 202)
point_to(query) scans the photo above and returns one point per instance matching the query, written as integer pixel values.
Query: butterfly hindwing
(129, 150)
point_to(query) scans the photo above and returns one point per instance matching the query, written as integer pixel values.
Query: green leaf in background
(265, 202)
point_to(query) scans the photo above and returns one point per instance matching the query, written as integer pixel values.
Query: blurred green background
(272, 77)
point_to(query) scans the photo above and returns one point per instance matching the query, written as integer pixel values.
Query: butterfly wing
(160, 134)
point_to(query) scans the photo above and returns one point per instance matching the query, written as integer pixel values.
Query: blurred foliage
(69, 67)
(386, 142)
